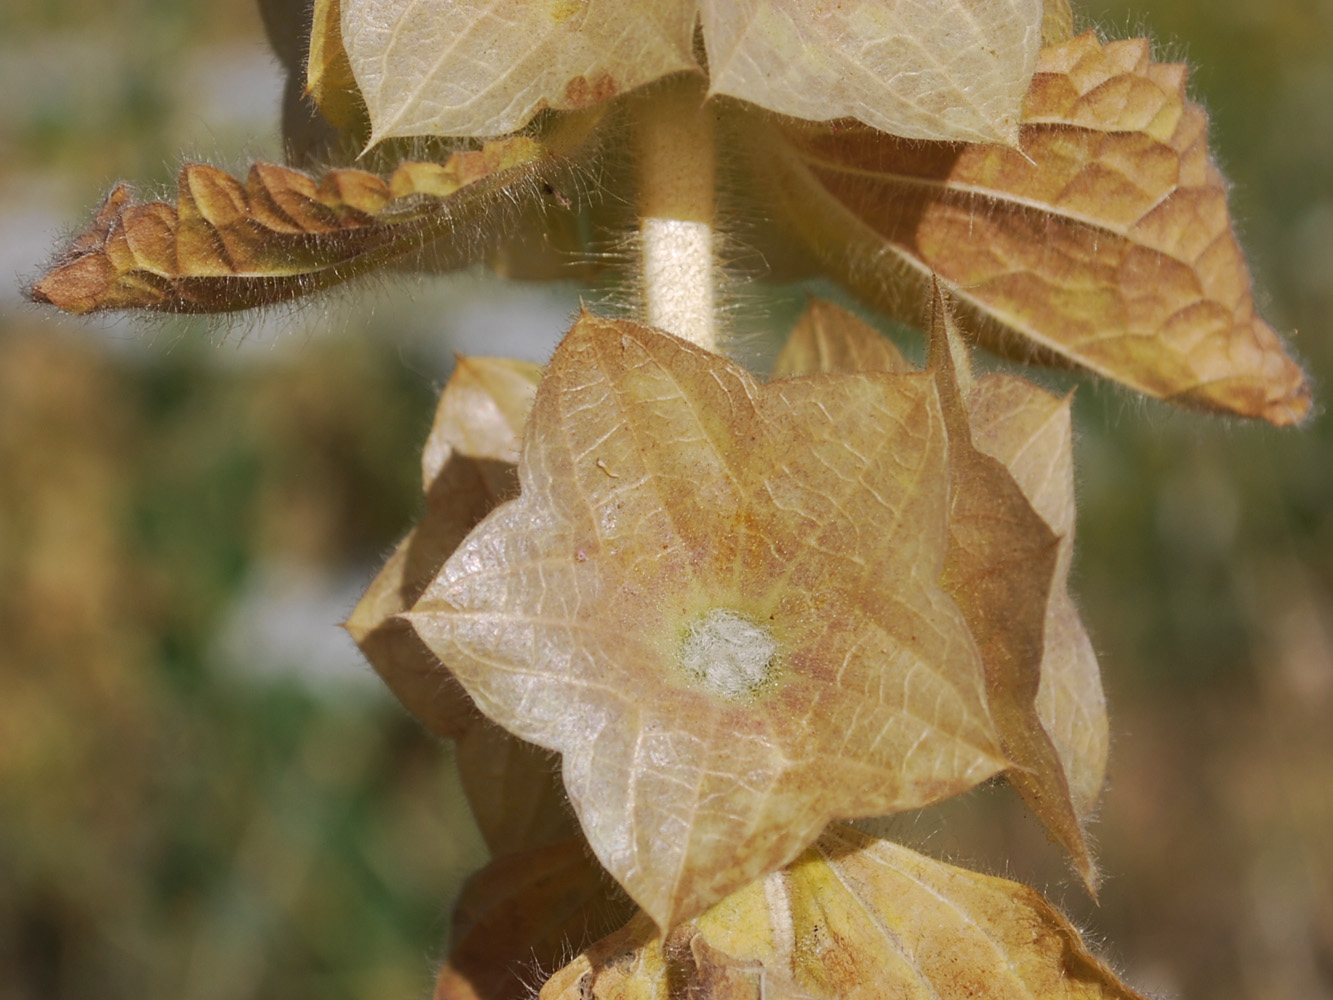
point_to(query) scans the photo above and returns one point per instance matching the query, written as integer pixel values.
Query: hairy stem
(675, 146)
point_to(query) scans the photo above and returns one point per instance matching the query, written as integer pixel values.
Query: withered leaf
(857, 919)
(433, 67)
(406, 666)
(1104, 241)
(479, 419)
(685, 603)
(1012, 529)
(941, 70)
(1030, 432)
(468, 467)
(518, 916)
(1000, 568)
(229, 245)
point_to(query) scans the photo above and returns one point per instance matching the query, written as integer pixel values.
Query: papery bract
(927, 69)
(1011, 530)
(923, 69)
(670, 503)
(468, 467)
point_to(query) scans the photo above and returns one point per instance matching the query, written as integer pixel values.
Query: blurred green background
(205, 794)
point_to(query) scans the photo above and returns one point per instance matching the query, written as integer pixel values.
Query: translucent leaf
(684, 603)
(485, 67)
(1018, 520)
(854, 919)
(925, 69)
(1103, 242)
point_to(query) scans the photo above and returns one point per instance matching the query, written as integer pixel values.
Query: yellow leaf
(329, 79)
(434, 67)
(684, 602)
(854, 919)
(941, 70)
(1057, 22)
(1104, 241)
(228, 245)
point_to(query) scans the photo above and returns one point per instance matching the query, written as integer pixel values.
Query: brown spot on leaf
(581, 92)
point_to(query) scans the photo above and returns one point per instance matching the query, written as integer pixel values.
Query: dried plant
(744, 611)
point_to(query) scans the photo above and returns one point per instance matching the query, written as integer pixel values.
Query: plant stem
(675, 146)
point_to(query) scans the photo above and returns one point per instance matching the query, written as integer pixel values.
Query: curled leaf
(229, 245)
(434, 67)
(1103, 241)
(854, 919)
(683, 601)
(941, 70)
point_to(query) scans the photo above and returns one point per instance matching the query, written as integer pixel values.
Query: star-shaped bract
(664, 490)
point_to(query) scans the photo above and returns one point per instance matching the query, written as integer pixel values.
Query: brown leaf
(1001, 563)
(520, 914)
(1104, 241)
(416, 678)
(1029, 431)
(855, 919)
(513, 788)
(1013, 521)
(281, 234)
(480, 417)
(684, 603)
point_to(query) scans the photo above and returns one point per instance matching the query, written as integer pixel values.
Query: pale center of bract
(728, 654)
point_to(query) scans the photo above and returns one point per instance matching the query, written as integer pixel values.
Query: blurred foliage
(174, 828)
(176, 821)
